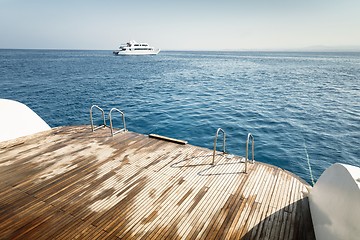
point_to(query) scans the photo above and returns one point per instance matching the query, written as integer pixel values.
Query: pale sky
(180, 25)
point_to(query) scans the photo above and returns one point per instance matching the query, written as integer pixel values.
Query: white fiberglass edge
(17, 120)
(335, 203)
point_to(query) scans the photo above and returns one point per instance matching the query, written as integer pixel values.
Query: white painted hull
(335, 203)
(20, 121)
(136, 52)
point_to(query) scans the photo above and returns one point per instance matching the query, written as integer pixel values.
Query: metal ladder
(91, 117)
(110, 119)
(215, 140)
(249, 137)
(123, 119)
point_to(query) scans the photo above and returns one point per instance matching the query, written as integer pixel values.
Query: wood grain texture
(70, 183)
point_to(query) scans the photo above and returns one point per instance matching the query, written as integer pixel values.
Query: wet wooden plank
(70, 182)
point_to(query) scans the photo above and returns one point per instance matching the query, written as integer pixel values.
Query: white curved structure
(18, 120)
(334, 200)
(335, 203)
(134, 48)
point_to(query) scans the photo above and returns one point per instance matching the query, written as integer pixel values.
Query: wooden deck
(71, 183)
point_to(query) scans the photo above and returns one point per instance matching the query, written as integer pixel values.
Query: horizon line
(306, 49)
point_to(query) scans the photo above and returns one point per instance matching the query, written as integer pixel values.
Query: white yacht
(135, 48)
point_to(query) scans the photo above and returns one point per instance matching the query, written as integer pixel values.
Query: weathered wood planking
(70, 182)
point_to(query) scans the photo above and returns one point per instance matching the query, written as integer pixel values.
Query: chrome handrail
(215, 140)
(123, 119)
(91, 118)
(247, 150)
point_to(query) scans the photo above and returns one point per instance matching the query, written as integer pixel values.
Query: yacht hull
(135, 52)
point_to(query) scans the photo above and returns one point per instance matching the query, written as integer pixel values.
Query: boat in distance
(135, 48)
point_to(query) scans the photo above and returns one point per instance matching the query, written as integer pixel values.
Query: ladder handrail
(123, 119)
(91, 118)
(250, 136)
(215, 140)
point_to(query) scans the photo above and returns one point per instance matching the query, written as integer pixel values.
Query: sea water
(303, 109)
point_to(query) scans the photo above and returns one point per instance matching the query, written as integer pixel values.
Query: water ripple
(287, 100)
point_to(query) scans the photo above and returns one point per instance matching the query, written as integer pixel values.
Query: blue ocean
(303, 109)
